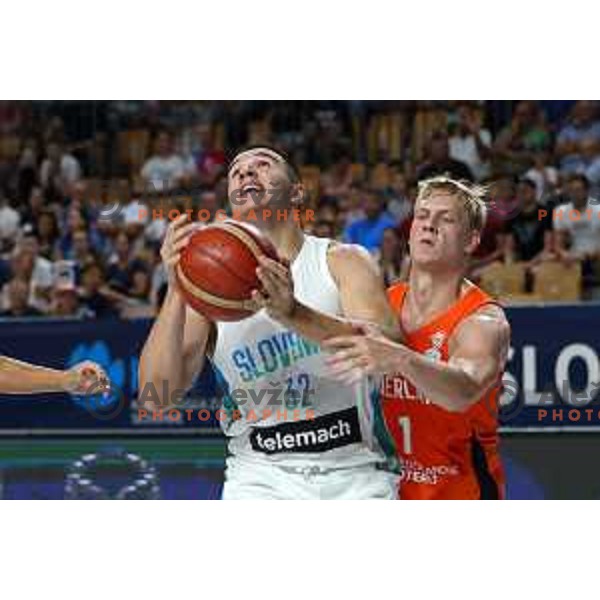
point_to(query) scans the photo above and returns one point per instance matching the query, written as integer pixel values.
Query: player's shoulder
(342, 252)
(348, 260)
(491, 310)
(490, 319)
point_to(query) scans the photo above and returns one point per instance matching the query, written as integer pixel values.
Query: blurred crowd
(76, 176)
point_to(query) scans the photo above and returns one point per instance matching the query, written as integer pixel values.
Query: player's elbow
(473, 390)
(460, 404)
(469, 392)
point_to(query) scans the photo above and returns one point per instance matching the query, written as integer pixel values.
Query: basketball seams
(264, 244)
(209, 253)
(209, 298)
(250, 248)
(243, 236)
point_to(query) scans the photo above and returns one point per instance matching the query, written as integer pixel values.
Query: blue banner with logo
(116, 346)
(552, 378)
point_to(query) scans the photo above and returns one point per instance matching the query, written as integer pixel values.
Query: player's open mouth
(252, 189)
(427, 242)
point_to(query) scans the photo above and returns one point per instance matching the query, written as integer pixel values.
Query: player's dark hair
(291, 169)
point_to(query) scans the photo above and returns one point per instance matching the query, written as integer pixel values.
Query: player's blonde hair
(472, 196)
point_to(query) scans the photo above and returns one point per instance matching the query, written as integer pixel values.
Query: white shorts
(248, 480)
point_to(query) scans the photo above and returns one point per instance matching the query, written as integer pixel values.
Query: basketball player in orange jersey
(440, 389)
(18, 377)
(324, 443)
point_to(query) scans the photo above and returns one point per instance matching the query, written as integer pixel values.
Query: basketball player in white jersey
(293, 431)
(18, 377)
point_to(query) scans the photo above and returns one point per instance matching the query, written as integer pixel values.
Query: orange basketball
(217, 269)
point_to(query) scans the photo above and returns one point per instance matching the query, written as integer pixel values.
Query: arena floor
(538, 465)
(36, 468)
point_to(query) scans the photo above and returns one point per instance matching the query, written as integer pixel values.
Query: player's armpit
(362, 292)
(199, 341)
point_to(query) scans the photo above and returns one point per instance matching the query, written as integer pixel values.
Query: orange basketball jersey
(443, 454)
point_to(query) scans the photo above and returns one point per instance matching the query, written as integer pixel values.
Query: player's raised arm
(361, 289)
(18, 377)
(175, 349)
(478, 352)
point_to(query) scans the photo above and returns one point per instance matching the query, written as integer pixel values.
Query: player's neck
(287, 238)
(432, 293)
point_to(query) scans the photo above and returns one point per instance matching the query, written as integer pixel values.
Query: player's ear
(297, 196)
(473, 241)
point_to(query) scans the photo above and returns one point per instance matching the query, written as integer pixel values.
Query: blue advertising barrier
(114, 344)
(552, 377)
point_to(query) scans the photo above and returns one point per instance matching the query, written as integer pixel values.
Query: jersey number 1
(404, 423)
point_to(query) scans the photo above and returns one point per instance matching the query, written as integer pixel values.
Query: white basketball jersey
(280, 403)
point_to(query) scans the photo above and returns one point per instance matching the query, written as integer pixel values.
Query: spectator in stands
(589, 164)
(59, 169)
(48, 235)
(122, 265)
(316, 132)
(32, 210)
(439, 162)
(337, 180)
(393, 258)
(577, 227)
(502, 206)
(326, 220)
(65, 303)
(27, 172)
(77, 197)
(17, 300)
(368, 232)
(220, 189)
(210, 201)
(141, 284)
(517, 144)
(471, 143)
(12, 116)
(96, 296)
(209, 161)
(399, 204)
(350, 208)
(54, 130)
(529, 233)
(324, 229)
(155, 228)
(77, 221)
(9, 223)
(28, 265)
(583, 124)
(135, 215)
(85, 204)
(164, 170)
(81, 252)
(544, 175)
(547, 254)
